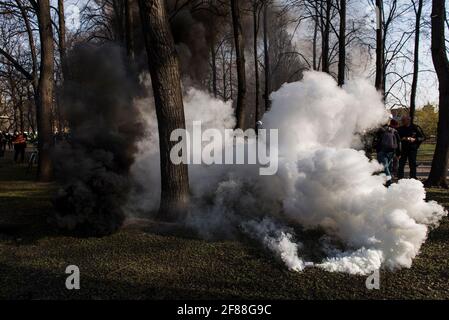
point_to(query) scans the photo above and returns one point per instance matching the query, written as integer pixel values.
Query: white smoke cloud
(332, 186)
(322, 181)
(279, 240)
(198, 105)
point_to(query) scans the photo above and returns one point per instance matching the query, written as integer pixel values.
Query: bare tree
(241, 108)
(62, 35)
(42, 83)
(34, 69)
(315, 37)
(325, 34)
(418, 10)
(164, 69)
(266, 54)
(342, 44)
(255, 9)
(438, 172)
(129, 27)
(380, 63)
(213, 58)
(45, 92)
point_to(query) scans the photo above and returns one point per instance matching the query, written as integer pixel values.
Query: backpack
(389, 140)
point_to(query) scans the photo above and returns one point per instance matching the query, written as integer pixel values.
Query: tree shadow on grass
(24, 283)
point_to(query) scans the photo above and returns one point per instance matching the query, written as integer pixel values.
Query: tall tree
(325, 34)
(418, 10)
(34, 72)
(315, 37)
(380, 64)
(45, 92)
(129, 27)
(213, 57)
(438, 172)
(119, 20)
(164, 70)
(241, 112)
(342, 44)
(62, 41)
(266, 55)
(62, 59)
(256, 58)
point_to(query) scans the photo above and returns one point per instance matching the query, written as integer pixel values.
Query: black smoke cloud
(195, 28)
(92, 167)
(191, 44)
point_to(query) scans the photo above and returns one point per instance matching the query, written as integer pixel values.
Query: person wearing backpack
(411, 138)
(388, 145)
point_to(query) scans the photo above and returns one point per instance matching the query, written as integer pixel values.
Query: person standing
(9, 138)
(20, 144)
(2, 144)
(395, 124)
(411, 138)
(388, 145)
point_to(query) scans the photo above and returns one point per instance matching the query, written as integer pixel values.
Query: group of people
(16, 141)
(396, 144)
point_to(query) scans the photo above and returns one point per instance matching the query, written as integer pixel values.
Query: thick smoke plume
(93, 165)
(330, 185)
(194, 29)
(323, 182)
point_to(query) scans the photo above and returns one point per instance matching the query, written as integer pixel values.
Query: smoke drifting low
(110, 168)
(323, 182)
(93, 166)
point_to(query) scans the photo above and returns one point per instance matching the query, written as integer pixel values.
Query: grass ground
(138, 263)
(425, 152)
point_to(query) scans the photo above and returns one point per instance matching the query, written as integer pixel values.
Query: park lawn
(140, 263)
(425, 152)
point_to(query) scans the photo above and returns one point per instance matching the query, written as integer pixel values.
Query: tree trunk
(266, 54)
(415, 61)
(34, 78)
(45, 93)
(62, 44)
(21, 116)
(379, 81)
(230, 73)
(14, 101)
(256, 63)
(129, 27)
(438, 172)
(223, 73)
(315, 37)
(62, 55)
(30, 116)
(213, 67)
(325, 37)
(342, 44)
(164, 70)
(119, 20)
(241, 112)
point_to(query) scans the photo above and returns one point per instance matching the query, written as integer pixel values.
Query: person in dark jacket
(20, 144)
(388, 145)
(2, 144)
(395, 124)
(9, 138)
(411, 138)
